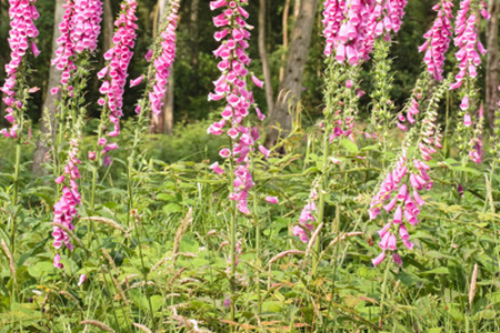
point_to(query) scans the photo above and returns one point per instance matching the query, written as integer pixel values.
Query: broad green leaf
(350, 146)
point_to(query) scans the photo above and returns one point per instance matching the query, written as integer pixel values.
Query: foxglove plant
(232, 87)
(438, 39)
(399, 192)
(386, 17)
(80, 31)
(307, 216)
(23, 31)
(469, 54)
(22, 14)
(115, 74)
(164, 61)
(476, 152)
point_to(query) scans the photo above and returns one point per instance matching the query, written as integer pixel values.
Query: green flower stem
(232, 231)
(322, 196)
(382, 291)
(257, 242)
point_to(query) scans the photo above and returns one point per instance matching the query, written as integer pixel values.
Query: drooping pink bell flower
(467, 120)
(379, 259)
(272, 200)
(57, 262)
(216, 168)
(464, 105)
(82, 279)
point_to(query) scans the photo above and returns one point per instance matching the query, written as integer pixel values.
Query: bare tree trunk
(296, 8)
(286, 15)
(49, 104)
(291, 87)
(263, 56)
(107, 25)
(492, 62)
(195, 4)
(168, 109)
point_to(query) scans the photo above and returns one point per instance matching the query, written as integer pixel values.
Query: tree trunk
(168, 108)
(195, 4)
(268, 86)
(296, 8)
(286, 15)
(291, 87)
(49, 105)
(108, 27)
(492, 62)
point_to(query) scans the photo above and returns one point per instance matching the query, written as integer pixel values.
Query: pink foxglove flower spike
(164, 61)
(232, 87)
(80, 31)
(23, 31)
(438, 39)
(115, 73)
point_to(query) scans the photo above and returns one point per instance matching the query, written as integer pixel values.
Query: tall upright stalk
(232, 237)
(15, 195)
(257, 242)
(322, 195)
(382, 292)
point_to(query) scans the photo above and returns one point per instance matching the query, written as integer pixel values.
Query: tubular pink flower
(378, 260)
(467, 120)
(476, 152)
(307, 215)
(232, 88)
(82, 279)
(272, 200)
(397, 258)
(22, 32)
(438, 39)
(57, 262)
(164, 61)
(216, 168)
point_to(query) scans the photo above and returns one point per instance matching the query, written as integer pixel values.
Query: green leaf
(370, 148)
(166, 197)
(172, 208)
(274, 307)
(350, 146)
(40, 269)
(466, 170)
(439, 271)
